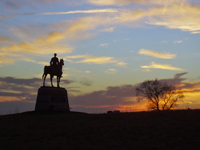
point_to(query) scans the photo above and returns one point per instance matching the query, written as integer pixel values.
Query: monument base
(52, 99)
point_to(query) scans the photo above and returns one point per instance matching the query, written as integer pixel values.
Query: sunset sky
(109, 47)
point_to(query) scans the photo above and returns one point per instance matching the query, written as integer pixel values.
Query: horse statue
(53, 72)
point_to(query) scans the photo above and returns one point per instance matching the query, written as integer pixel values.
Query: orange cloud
(11, 98)
(157, 54)
(122, 98)
(140, 106)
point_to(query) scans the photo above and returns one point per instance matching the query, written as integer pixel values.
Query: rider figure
(54, 63)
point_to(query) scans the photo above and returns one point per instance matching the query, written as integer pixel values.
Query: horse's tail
(44, 72)
(43, 76)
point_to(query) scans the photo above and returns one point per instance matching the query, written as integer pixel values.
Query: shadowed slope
(141, 130)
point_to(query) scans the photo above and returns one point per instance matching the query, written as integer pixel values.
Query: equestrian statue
(55, 69)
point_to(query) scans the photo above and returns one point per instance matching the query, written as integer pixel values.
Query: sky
(109, 47)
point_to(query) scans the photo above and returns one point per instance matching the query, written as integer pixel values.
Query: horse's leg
(51, 80)
(58, 81)
(44, 78)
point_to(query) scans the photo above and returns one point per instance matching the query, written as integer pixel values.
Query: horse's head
(61, 61)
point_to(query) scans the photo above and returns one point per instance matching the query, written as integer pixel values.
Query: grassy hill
(172, 130)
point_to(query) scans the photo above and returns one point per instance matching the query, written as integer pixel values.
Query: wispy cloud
(65, 13)
(154, 65)
(87, 71)
(111, 71)
(156, 54)
(146, 70)
(174, 15)
(76, 56)
(34, 61)
(27, 59)
(121, 63)
(36, 48)
(12, 4)
(49, 42)
(96, 60)
(127, 2)
(12, 51)
(111, 29)
(181, 16)
(43, 63)
(104, 44)
(171, 14)
(164, 42)
(180, 41)
(5, 60)
(110, 10)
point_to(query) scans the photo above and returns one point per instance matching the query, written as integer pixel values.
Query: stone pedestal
(53, 99)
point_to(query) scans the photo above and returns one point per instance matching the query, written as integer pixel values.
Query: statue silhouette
(55, 69)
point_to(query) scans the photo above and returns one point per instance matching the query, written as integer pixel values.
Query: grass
(170, 130)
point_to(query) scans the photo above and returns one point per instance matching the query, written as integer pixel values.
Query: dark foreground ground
(173, 130)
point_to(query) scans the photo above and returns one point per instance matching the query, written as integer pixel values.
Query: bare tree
(160, 96)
